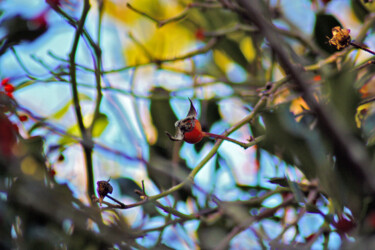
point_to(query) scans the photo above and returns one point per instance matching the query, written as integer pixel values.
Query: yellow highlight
(29, 166)
(361, 114)
(167, 42)
(160, 10)
(221, 60)
(247, 49)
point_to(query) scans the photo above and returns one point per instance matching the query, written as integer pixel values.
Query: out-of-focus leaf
(344, 96)
(295, 143)
(60, 113)
(281, 181)
(298, 195)
(359, 9)
(163, 118)
(34, 146)
(100, 125)
(127, 187)
(362, 113)
(323, 29)
(232, 50)
(210, 234)
(35, 126)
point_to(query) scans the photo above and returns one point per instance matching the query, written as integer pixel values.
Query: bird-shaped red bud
(188, 129)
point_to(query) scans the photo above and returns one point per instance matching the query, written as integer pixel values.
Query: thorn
(192, 111)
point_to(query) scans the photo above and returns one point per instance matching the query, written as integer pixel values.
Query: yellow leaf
(247, 49)
(361, 113)
(221, 60)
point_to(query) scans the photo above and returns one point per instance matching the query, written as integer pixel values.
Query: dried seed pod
(341, 38)
(103, 189)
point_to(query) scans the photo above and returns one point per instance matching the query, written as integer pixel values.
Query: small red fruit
(9, 88)
(188, 129)
(196, 134)
(5, 81)
(23, 118)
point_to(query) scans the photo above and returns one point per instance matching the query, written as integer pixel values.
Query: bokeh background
(154, 56)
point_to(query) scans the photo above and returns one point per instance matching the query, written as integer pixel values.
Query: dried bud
(103, 189)
(341, 38)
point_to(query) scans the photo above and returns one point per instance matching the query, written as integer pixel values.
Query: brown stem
(222, 137)
(359, 46)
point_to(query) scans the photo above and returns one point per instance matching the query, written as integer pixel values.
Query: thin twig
(359, 46)
(160, 23)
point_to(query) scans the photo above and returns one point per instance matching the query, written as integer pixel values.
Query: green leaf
(232, 49)
(298, 194)
(127, 187)
(281, 181)
(359, 10)
(294, 142)
(100, 125)
(60, 113)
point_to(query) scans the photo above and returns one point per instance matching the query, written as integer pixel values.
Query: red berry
(9, 88)
(23, 118)
(5, 81)
(10, 94)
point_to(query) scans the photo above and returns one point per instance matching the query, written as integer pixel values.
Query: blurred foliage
(303, 153)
